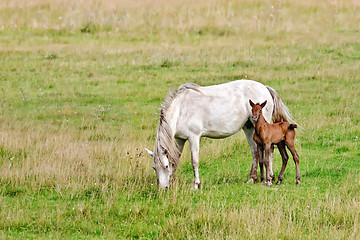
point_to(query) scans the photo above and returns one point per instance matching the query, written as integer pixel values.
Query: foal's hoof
(278, 182)
(268, 183)
(297, 181)
(250, 181)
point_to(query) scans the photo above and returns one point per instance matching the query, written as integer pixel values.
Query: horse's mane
(165, 141)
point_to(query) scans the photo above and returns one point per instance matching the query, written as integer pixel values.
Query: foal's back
(279, 131)
(282, 131)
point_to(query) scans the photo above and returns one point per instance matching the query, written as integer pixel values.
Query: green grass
(80, 93)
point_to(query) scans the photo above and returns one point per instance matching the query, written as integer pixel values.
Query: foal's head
(256, 110)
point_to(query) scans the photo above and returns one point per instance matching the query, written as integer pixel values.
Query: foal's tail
(280, 113)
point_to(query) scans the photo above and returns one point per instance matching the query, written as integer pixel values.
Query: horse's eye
(167, 166)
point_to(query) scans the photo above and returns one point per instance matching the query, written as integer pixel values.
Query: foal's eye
(167, 166)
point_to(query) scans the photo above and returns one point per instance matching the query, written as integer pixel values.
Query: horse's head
(162, 167)
(256, 110)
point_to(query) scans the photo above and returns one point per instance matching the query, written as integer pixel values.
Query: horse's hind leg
(285, 157)
(249, 132)
(271, 161)
(291, 146)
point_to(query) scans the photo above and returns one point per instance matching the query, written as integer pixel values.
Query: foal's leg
(285, 157)
(260, 150)
(290, 144)
(249, 132)
(194, 147)
(269, 172)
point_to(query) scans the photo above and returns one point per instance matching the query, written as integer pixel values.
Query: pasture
(81, 83)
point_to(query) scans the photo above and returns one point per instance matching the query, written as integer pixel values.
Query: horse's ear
(251, 103)
(263, 104)
(150, 152)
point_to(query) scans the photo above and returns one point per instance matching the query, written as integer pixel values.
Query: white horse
(217, 111)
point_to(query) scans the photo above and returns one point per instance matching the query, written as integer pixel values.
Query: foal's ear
(263, 104)
(251, 103)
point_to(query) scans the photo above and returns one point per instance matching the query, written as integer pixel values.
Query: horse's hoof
(278, 183)
(196, 186)
(297, 181)
(268, 183)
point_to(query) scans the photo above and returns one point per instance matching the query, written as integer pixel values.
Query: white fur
(216, 111)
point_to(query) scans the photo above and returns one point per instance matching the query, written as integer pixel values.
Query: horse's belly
(212, 134)
(222, 130)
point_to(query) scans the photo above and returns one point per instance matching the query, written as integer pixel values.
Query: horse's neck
(171, 116)
(165, 138)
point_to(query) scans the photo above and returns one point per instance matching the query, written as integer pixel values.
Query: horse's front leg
(180, 144)
(194, 147)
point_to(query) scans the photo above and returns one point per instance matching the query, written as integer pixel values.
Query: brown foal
(266, 134)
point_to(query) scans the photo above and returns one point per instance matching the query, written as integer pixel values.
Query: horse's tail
(280, 113)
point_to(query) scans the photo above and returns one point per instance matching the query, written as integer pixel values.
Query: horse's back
(233, 86)
(235, 93)
(219, 110)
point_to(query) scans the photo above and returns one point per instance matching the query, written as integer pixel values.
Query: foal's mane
(165, 141)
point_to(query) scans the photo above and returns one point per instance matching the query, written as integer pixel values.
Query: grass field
(81, 83)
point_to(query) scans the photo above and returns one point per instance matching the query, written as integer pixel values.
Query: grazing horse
(266, 134)
(217, 111)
